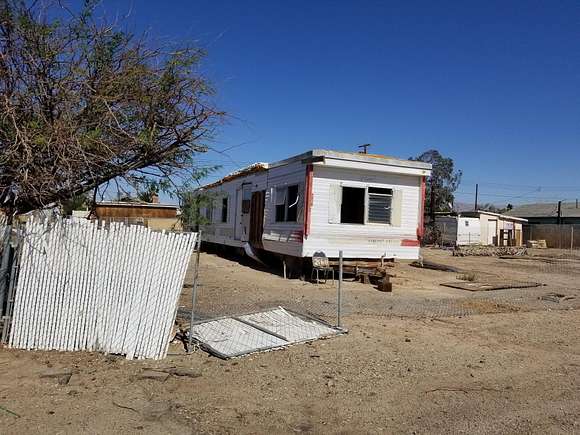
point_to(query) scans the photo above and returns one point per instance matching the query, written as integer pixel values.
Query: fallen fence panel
(84, 286)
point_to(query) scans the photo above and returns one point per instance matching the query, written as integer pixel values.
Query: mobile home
(321, 202)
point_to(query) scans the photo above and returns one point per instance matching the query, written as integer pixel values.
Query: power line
(506, 186)
(498, 195)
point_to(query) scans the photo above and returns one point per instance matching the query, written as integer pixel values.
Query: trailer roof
(354, 157)
(315, 154)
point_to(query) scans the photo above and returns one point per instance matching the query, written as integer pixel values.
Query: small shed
(480, 228)
(457, 230)
(152, 215)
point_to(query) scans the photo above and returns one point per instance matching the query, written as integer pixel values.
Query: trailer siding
(320, 175)
(364, 240)
(284, 237)
(279, 237)
(224, 232)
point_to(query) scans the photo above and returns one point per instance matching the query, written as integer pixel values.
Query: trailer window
(280, 204)
(246, 197)
(380, 201)
(352, 209)
(292, 211)
(287, 203)
(225, 209)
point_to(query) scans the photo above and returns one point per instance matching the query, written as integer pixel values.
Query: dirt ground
(505, 364)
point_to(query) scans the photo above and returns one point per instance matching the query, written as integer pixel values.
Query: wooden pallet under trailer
(369, 272)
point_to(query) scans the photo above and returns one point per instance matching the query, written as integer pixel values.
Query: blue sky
(494, 84)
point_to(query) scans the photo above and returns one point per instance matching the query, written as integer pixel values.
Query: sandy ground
(515, 371)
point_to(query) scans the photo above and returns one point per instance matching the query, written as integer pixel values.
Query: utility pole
(476, 195)
(364, 148)
(559, 212)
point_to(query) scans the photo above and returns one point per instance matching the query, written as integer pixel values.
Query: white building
(368, 206)
(480, 228)
(459, 230)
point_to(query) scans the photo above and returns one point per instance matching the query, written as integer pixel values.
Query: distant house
(152, 215)
(480, 228)
(547, 213)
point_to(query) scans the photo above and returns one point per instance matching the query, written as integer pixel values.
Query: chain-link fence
(233, 284)
(542, 279)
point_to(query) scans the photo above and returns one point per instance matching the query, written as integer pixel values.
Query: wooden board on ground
(434, 266)
(475, 286)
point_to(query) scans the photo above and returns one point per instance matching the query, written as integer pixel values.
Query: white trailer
(368, 206)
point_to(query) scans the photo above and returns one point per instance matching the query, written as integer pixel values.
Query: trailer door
(243, 207)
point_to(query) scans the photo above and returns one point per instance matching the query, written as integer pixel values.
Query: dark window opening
(280, 204)
(224, 210)
(352, 209)
(380, 205)
(292, 198)
(280, 211)
(287, 202)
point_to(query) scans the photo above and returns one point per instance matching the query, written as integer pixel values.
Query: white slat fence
(112, 289)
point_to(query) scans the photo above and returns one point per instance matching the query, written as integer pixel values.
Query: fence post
(5, 267)
(12, 277)
(194, 292)
(339, 290)
(571, 238)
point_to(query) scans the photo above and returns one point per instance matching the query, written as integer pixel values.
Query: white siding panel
(363, 241)
(279, 237)
(468, 231)
(334, 203)
(224, 233)
(283, 237)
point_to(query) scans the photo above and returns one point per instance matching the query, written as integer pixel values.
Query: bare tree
(83, 103)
